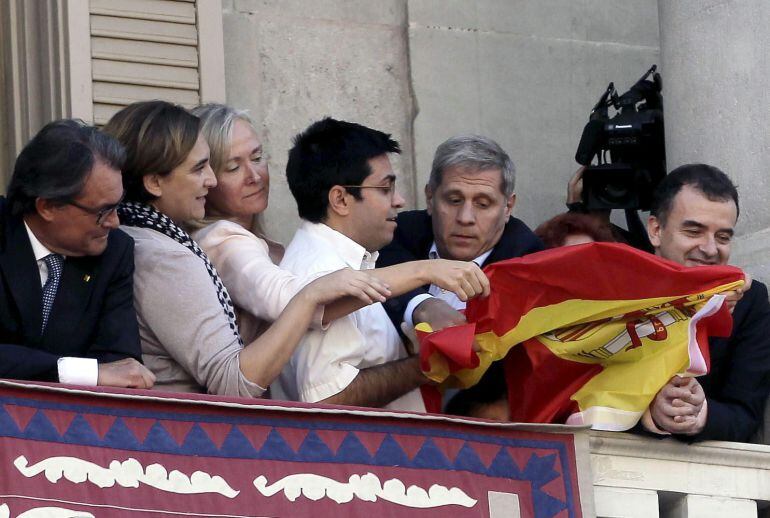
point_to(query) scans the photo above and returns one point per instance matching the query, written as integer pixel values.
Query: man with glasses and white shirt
(342, 179)
(66, 298)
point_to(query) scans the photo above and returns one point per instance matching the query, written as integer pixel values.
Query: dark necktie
(55, 264)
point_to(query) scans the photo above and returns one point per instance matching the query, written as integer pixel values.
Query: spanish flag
(598, 329)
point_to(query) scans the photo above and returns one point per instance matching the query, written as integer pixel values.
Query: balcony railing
(642, 477)
(510, 469)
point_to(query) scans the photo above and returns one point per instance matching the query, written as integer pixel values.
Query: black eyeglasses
(101, 213)
(388, 190)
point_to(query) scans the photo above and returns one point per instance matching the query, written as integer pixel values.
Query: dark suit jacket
(92, 316)
(414, 237)
(739, 380)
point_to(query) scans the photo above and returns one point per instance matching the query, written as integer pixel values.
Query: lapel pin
(86, 277)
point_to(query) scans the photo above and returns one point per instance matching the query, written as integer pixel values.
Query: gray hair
(56, 163)
(475, 151)
(217, 121)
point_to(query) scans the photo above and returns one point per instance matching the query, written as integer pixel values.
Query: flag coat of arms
(591, 332)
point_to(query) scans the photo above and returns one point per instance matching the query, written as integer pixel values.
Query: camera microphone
(590, 141)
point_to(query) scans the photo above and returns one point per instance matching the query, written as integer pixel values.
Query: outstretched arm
(377, 386)
(464, 278)
(411, 242)
(262, 360)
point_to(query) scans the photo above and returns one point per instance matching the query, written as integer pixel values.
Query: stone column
(716, 73)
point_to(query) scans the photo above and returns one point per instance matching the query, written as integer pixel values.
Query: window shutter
(89, 58)
(153, 49)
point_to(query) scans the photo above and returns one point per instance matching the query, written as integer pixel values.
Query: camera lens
(615, 192)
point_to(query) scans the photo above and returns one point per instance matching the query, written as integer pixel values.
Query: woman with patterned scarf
(186, 319)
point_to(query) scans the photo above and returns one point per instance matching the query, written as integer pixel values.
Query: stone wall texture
(717, 69)
(525, 73)
(292, 62)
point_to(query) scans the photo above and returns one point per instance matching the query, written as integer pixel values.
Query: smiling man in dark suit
(692, 222)
(66, 299)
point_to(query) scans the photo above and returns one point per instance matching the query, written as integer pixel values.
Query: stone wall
(525, 73)
(292, 62)
(717, 70)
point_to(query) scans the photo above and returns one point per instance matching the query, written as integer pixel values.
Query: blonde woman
(247, 260)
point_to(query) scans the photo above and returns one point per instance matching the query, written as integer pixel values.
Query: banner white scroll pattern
(366, 487)
(126, 474)
(45, 512)
(54, 512)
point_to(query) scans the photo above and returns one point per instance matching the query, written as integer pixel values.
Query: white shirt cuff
(416, 300)
(78, 371)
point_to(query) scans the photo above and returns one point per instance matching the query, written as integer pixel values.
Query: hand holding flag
(601, 327)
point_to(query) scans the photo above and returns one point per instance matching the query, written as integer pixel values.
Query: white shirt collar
(38, 248)
(433, 254)
(354, 255)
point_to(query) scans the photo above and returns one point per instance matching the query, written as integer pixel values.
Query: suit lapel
(423, 232)
(517, 240)
(21, 273)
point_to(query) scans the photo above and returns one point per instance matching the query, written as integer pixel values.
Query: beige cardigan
(185, 335)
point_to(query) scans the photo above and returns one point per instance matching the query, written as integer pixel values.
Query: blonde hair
(217, 122)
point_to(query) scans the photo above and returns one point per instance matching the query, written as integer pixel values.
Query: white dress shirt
(439, 293)
(327, 361)
(77, 371)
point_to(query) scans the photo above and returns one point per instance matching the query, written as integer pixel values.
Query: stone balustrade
(649, 478)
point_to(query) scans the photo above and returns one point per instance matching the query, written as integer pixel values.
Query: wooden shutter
(154, 49)
(89, 58)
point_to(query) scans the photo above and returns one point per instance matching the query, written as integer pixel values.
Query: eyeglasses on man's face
(101, 213)
(388, 189)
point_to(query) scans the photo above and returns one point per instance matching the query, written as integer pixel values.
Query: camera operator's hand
(575, 197)
(575, 187)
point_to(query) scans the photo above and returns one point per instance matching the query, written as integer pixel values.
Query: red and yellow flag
(601, 327)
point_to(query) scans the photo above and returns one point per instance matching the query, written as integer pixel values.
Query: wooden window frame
(47, 70)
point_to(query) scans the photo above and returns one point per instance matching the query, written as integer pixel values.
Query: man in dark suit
(66, 299)
(692, 222)
(470, 197)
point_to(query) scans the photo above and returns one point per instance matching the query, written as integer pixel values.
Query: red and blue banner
(66, 452)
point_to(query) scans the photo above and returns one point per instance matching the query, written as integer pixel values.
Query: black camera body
(634, 139)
